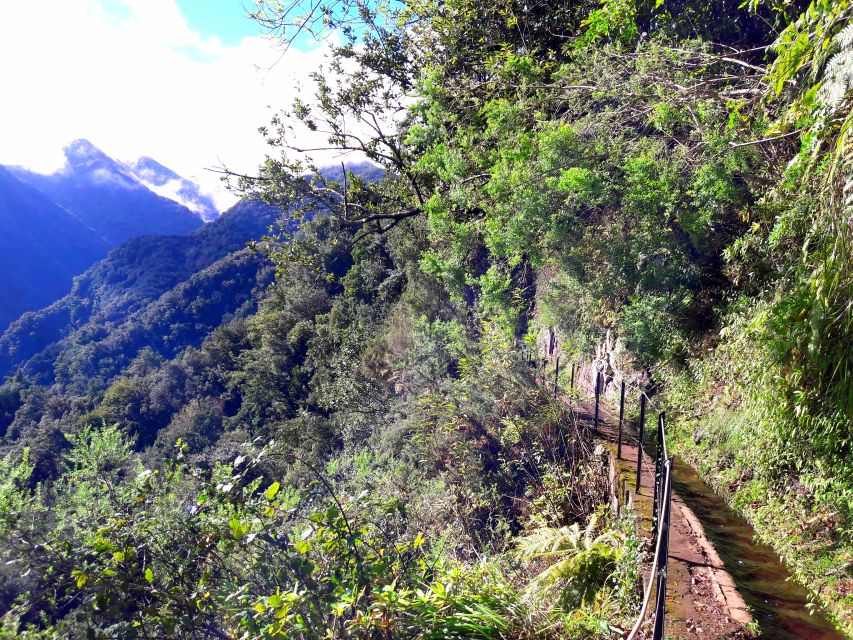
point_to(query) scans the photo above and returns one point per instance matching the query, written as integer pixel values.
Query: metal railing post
(597, 398)
(640, 440)
(621, 421)
(660, 598)
(557, 377)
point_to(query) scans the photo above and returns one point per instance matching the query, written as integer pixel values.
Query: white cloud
(141, 84)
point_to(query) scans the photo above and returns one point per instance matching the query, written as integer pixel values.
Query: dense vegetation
(337, 463)
(365, 455)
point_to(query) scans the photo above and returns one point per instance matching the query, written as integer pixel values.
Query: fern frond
(589, 533)
(845, 37)
(548, 541)
(809, 43)
(838, 75)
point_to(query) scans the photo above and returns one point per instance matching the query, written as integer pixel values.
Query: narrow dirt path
(702, 600)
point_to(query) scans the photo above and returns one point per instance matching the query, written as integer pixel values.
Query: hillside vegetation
(364, 454)
(42, 247)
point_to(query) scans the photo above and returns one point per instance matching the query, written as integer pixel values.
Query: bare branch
(396, 216)
(763, 140)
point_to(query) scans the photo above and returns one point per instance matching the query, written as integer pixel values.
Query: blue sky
(223, 18)
(228, 20)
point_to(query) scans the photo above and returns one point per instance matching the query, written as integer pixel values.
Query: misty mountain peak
(153, 171)
(82, 154)
(167, 183)
(86, 161)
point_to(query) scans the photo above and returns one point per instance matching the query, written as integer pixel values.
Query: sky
(187, 82)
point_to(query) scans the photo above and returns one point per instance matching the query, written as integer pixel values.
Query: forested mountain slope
(42, 247)
(117, 293)
(53, 227)
(363, 453)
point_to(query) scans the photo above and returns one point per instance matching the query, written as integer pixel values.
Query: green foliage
(159, 292)
(814, 307)
(618, 166)
(613, 21)
(583, 560)
(14, 494)
(650, 324)
(126, 551)
(96, 450)
(586, 578)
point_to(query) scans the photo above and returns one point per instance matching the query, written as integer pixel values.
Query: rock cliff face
(610, 360)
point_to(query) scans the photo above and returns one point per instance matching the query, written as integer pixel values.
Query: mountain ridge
(165, 182)
(106, 196)
(129, 280)
(54, 226)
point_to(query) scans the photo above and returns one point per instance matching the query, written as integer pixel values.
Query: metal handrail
(663, 432)
(533, 359)
(641, 617)
(663, 500)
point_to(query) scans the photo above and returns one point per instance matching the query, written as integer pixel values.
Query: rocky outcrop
(610, 359)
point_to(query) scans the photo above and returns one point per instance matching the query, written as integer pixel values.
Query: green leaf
(149, 576)
(81, 576)
(272, 491)
(302, 546)
(238, 529)
(419, 540)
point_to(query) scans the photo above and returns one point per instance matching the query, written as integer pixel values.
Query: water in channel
(778, 603)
